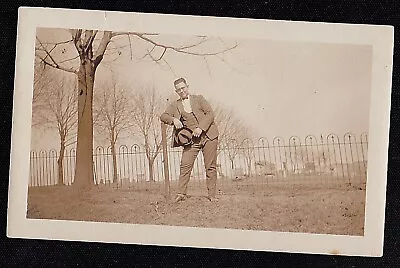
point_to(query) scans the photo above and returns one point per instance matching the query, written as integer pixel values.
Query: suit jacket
(201, 110)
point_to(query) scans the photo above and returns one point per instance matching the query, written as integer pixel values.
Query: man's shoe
(213, 199)
(180, 197)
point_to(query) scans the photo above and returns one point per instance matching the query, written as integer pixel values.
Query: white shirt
(186, 105)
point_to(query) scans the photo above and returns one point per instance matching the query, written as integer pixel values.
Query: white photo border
(380, 37)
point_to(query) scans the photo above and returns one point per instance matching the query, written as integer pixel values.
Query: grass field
(289, 207)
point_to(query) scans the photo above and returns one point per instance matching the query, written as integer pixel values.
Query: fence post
(165, 161)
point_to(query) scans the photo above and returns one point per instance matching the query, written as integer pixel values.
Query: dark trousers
(190, 152)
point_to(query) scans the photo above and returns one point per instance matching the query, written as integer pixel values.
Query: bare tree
(232, 131)
(297, 155)
(112, 115)
(148, 105)
(87, 57)
(324, 159)
(56, 108)
(229, 125)
(41, 82)
(247, 148)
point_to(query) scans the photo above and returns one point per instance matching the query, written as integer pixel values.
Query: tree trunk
(84, 152)
(219, 170)
(249, 166)
(114, 159)
(60, 163)
(151, 169)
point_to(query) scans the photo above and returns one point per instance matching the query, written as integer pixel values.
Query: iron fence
(329, 159)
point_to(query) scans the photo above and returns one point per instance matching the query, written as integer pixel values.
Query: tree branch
(107, 35)
(76, 37)
(169, 66)
(203, 40)
(162, 55)
(182, 49)
(129, 39)
(56, 66)
(74, 58)
(59, 43)
(90, 35)
(208, 66)
(132, 33)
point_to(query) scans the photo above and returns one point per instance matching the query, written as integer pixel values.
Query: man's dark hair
(179, 80)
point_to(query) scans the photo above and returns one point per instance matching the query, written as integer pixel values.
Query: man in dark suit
(194, 113)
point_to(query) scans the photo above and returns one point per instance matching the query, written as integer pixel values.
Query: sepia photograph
(201, 130)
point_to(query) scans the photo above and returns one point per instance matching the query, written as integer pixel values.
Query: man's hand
(197, 132)
(177, 123)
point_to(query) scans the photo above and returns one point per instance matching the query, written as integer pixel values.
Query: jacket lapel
(193, 104)
(179, 105)
(195, 107)
(179, 108)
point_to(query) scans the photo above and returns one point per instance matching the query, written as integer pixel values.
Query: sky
(279, 88)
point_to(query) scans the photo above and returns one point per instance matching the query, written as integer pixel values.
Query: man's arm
(168, 116)
(206, 121)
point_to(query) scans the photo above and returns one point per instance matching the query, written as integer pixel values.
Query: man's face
(182, 90)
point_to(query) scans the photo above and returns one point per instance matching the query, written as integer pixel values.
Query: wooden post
(165, 161)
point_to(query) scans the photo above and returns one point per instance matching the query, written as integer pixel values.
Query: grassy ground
(290, 207)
